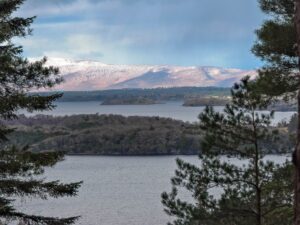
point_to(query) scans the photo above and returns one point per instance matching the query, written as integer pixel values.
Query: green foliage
(19, 167)
(256, 192)
(292, 125)
(115, 135)
(204, 101)
(106, 135)
(129, 101)
(17, 75)
(276, 45)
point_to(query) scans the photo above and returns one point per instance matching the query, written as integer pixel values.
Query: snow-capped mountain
(93, 75)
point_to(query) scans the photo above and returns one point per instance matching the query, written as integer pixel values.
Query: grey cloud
(173, 31)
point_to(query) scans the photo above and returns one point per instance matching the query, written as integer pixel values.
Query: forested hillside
(106, 135)
(113, 135)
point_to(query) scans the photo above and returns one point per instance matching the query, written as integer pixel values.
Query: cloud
(184, 32)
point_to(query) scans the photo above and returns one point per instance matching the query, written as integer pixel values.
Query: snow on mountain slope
(93, 75)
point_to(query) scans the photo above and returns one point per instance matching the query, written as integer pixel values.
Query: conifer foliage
(18, 166)
(254, 191)
(278, 45)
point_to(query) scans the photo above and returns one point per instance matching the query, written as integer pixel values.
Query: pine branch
(38, 188)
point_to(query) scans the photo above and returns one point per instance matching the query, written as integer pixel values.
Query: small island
(197, 101)
(207, 100)
(129, 101)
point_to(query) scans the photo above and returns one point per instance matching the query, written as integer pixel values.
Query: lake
(119, 190)
(173, 110)
(116, 190)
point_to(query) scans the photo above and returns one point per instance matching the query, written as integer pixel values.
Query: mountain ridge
(83, 75)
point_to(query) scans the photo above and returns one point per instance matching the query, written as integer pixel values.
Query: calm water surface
(173, 110)
(119, 190)
(116, 190)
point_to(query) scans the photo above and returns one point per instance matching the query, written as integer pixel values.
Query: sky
(153, 32)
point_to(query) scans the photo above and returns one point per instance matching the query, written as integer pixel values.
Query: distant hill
(93, 75)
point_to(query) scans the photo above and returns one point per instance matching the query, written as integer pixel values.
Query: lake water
(116, 190)
(119, 190)
(173, 110)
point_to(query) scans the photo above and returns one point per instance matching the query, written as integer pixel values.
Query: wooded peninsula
(115, 135)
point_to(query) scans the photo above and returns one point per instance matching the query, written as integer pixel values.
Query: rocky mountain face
(93, 75)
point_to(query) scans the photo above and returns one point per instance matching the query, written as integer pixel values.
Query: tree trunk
(296, 154)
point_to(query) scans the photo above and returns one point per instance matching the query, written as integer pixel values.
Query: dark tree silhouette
(278, 45)
(19, 166)
(258, 192)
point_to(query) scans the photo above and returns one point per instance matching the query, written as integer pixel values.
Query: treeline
(106, 135)
(114, 135)
(204, 101)
(191, 96)
(156, 94)
(193, 101)
(129, 101)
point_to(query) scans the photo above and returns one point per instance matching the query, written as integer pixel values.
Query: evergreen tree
(257, 192)
(278, 45)
(19, 167)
